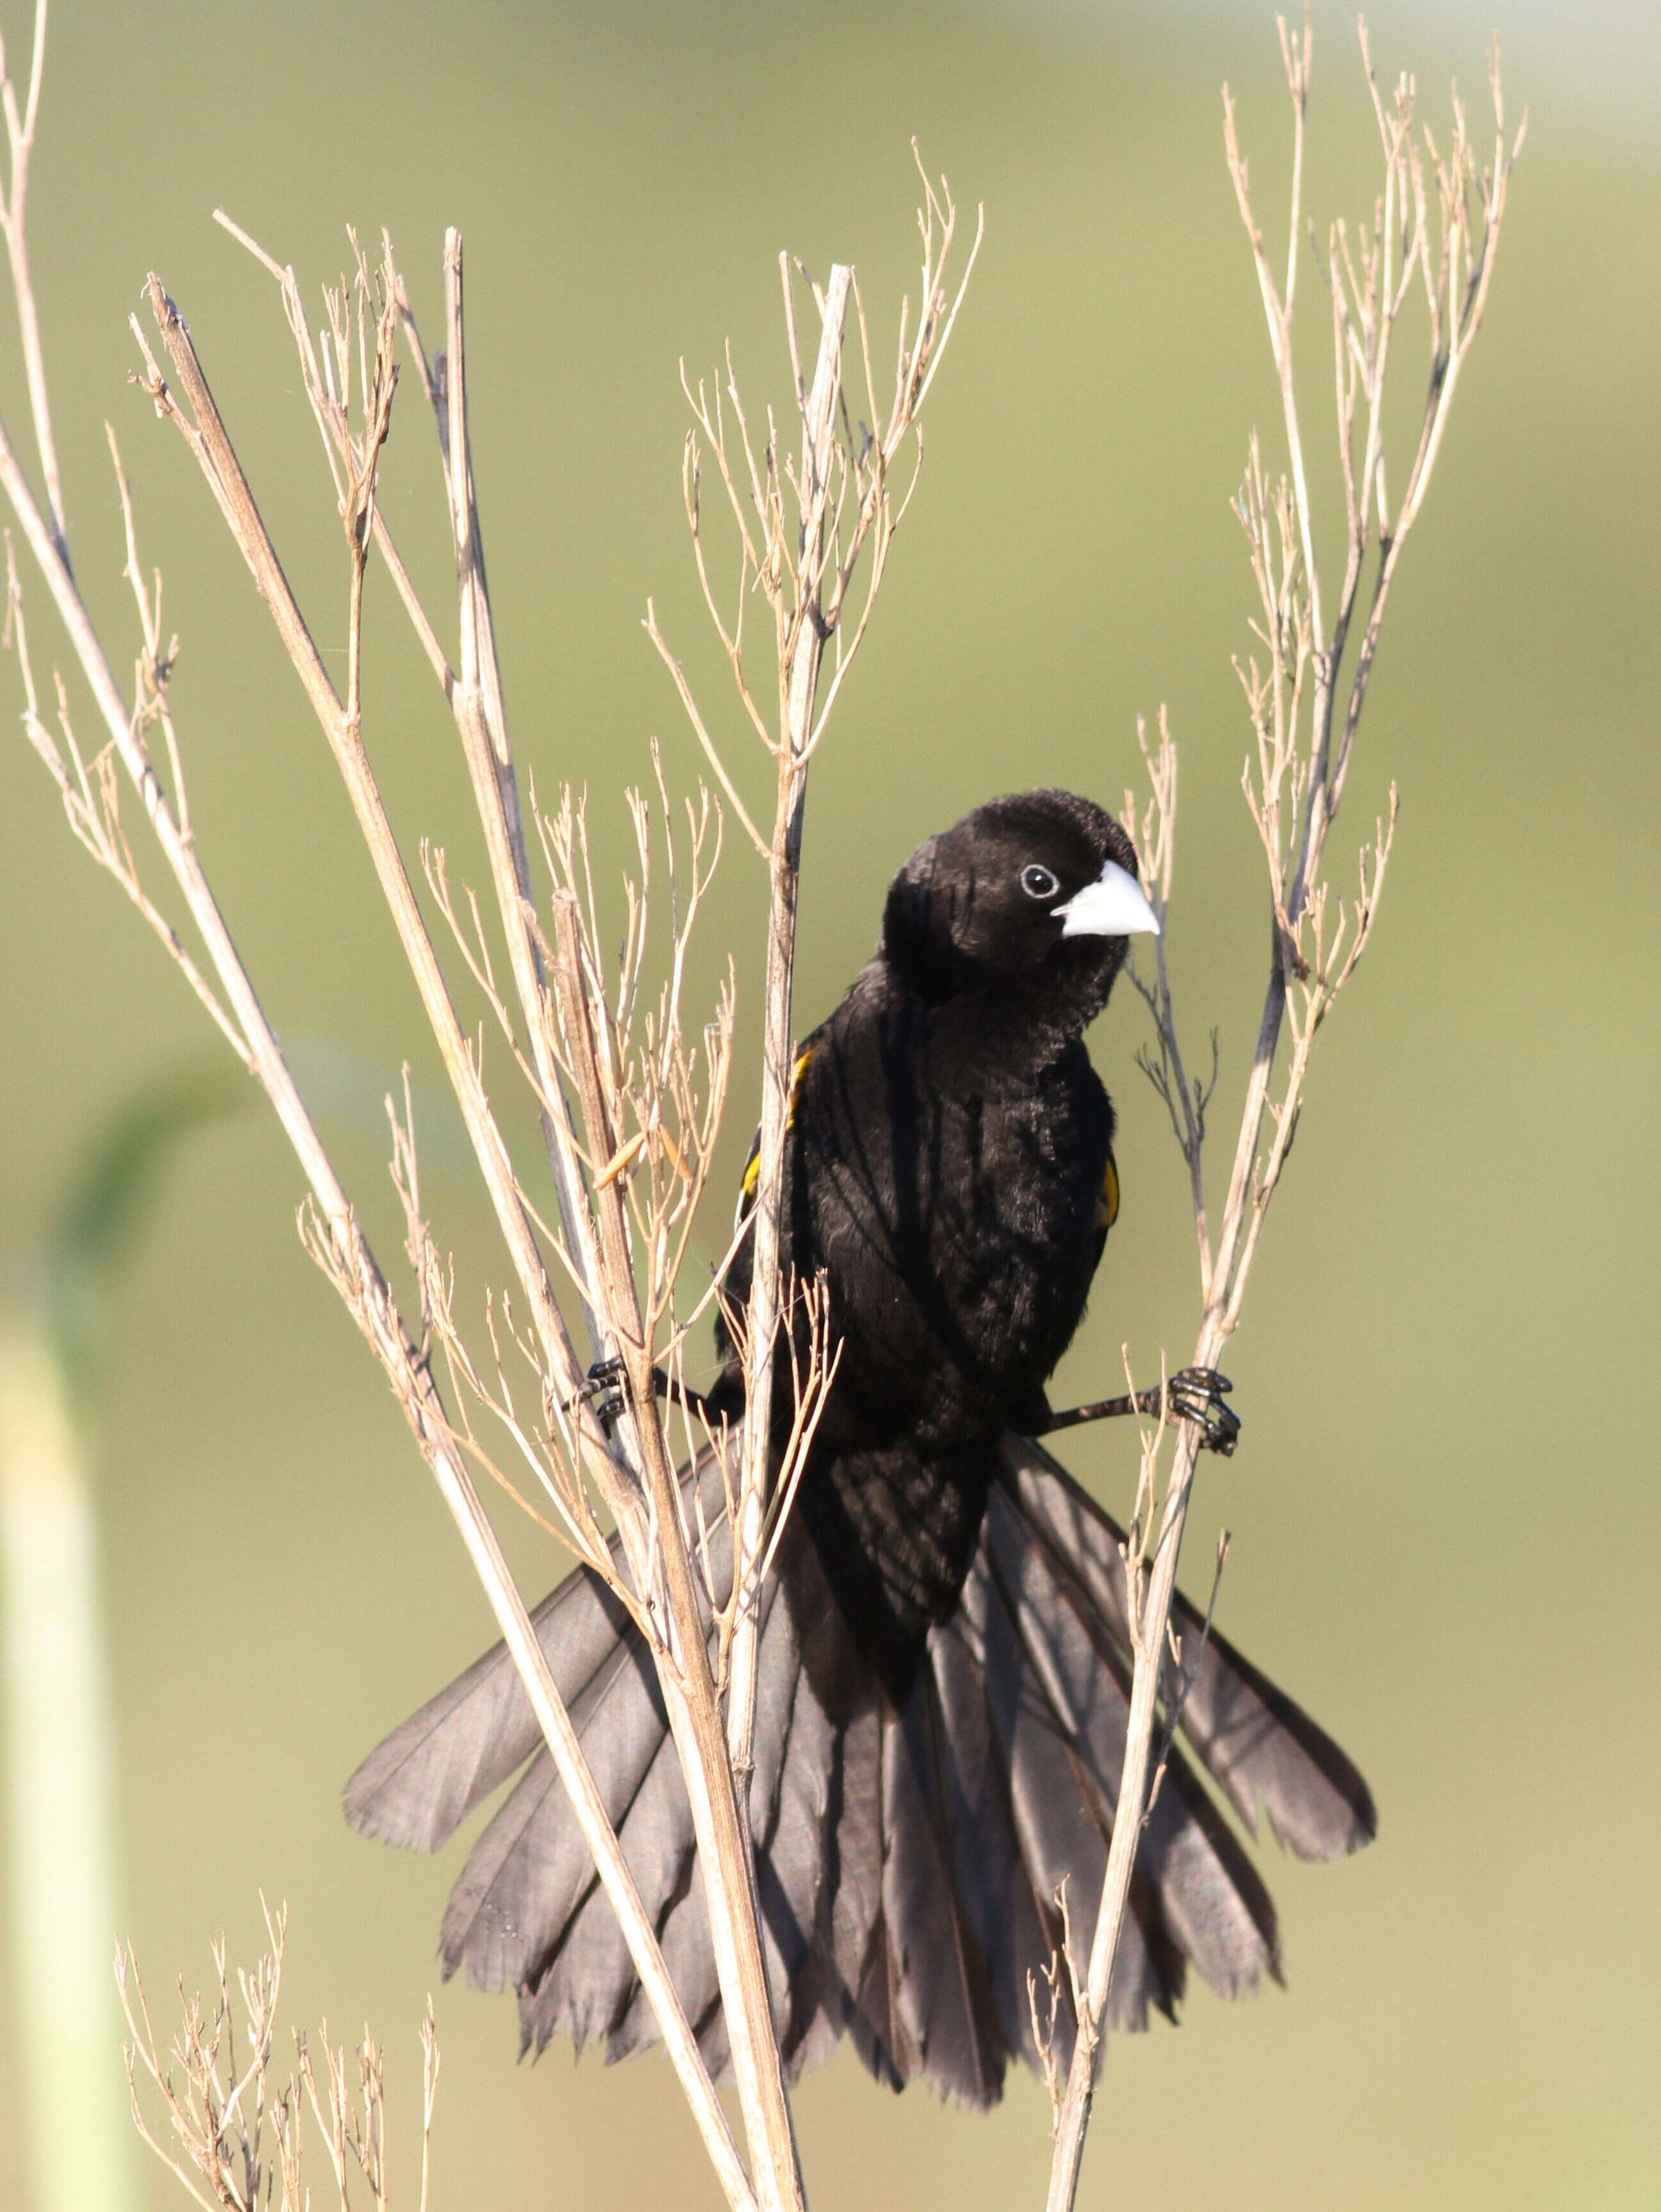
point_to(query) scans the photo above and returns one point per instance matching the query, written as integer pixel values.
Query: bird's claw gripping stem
(1196, 1394)
(1192, 1394)
(605, 1388)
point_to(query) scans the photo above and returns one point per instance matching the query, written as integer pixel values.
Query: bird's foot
(1196, 1394)
(605, 1388)
(1192, 1394)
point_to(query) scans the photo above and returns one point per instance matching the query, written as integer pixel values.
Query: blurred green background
(1444, 1514)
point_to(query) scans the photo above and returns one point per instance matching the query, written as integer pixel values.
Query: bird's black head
(1030, 900)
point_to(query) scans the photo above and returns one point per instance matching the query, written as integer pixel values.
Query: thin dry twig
(630, 1165)
(1438, 218)
(335, 1233)
(804, 527)
(213, 2108)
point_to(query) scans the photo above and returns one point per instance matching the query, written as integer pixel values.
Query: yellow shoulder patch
(752, 1166)
(798, 1069)
(1107, 1198)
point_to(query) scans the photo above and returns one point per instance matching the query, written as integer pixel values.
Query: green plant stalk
(60, 1789)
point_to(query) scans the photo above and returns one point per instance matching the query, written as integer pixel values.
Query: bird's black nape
(977, 908)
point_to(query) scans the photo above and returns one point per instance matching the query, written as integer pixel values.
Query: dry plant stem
(657, 1555)
(14, 218)
(232, 2130)
(337, 441)
(359, 1276)
(475, 696)
(1310, 961)
(578, 1781)
(373, 1307)
(205, 433)
(481, 718)
(818, 406)
(806, 585)
(738, 1946)
(1148, 1640)
(726, 1864)
(1185, 1099)
(802, 527)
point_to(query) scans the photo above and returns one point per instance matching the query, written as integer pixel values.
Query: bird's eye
(1037, 882)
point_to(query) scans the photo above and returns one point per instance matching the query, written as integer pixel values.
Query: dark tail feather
(416, 1787)
(939, 2006)
(529, 1873)
(1062, 1823)
(568, 1958)
(1014, 1922)
(851, 1938)
(1262, 1749)
(911, 1862)
(788, 1887)
(564, 1949)
(1210, 1901)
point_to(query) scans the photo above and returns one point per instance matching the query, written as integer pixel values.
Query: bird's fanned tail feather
(911, 1863)
(1263, 1752)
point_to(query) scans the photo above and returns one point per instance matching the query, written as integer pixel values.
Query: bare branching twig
(334, 1231)
(630, 1093)
(1437, 219)
(807, 530)
(213, 2106)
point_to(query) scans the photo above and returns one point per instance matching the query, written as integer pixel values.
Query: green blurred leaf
(118, 1178)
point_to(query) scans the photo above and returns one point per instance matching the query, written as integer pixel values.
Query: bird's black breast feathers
(948, 1195)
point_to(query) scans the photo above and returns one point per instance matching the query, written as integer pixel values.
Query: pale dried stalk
(725, 1860)
(204, 432)
(333, 424)
(337, 1234)
(803, 530)
(1293, 789)
(594, 1237)
(819, 405)
(643, 1072)
(611, 1077)
(1186, 1098)
(217, 2106)
(13, 220)
(662, 1571)
(92, 806)
(481, 718)
(475, 694)
(648, 1507)
(660, 1566)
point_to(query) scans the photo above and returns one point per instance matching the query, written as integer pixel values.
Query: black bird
(945, 1667)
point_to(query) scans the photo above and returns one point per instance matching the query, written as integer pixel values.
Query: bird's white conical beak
(1113, 906)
